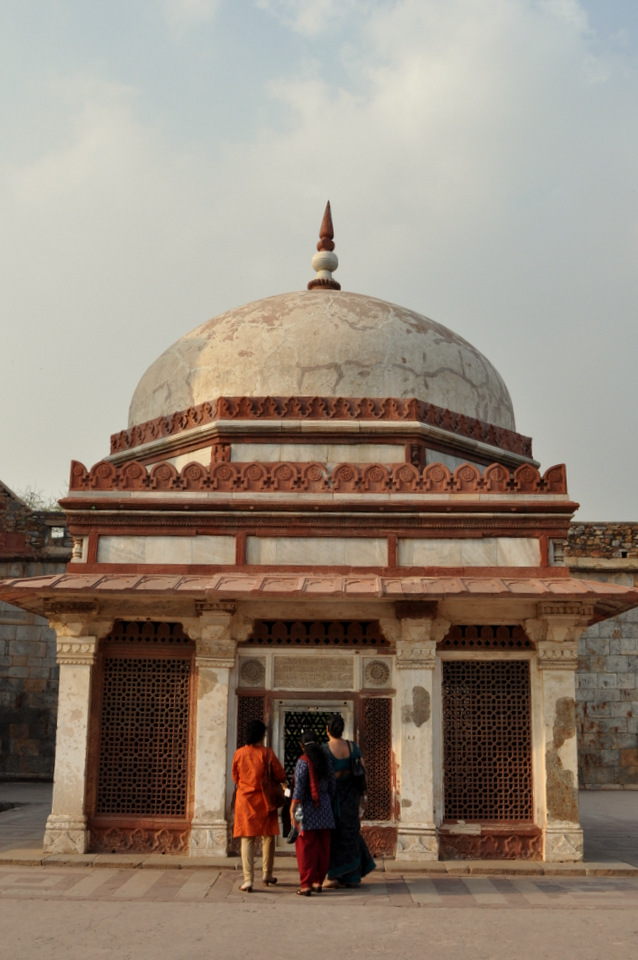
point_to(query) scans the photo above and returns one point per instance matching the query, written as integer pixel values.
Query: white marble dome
(325, 343)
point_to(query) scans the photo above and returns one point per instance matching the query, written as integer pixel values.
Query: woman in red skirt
(312, 795)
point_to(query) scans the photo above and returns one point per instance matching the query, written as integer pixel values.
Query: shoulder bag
(272, 790)
(358, 770)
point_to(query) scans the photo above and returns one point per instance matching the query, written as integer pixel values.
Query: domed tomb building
(321, 504)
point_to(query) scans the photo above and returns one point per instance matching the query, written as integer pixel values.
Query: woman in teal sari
(350, 859)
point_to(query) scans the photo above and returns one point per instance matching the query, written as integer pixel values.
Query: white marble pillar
(214, 659)
(418, 692)
(556, 632)
(66, 830)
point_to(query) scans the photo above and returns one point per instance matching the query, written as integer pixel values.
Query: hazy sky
(162, 161)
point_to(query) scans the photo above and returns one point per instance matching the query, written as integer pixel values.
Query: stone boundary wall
(611, 541)
(607, 677)
(32, 543)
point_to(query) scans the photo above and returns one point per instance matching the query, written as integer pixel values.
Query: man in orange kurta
(252, 817)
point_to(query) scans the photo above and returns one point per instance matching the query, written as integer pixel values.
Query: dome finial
(325, 260)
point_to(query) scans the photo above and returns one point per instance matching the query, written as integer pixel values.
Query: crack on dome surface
(289, 344)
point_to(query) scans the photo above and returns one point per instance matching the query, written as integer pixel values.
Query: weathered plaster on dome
(323, 343)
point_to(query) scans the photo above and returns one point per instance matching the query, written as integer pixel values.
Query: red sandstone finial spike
(325, 261)
(326, 231)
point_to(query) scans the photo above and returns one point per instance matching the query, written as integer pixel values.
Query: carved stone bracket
(76, 625)
(556, 608)
(66, 610)
(416, 648)
(416, 609)
(556, 632)
(216, 648)
(205, 607)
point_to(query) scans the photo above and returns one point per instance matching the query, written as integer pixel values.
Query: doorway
(291, 717)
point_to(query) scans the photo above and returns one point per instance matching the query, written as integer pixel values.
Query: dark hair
(315, 754)
(335, 725)
(255, 730)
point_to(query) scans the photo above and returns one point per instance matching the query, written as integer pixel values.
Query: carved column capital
(81, 650)
(556, 631)
(418, 634)
(557, 656)
(419, 655)
(211, 631)
(77, 630)
(73, 620)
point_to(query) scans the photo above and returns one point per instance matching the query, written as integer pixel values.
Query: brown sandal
(304, 892)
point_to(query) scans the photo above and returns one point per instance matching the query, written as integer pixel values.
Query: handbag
(358, 771)
(272, 790)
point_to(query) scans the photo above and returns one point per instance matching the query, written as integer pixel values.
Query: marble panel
(487, 552)
(447, 459)
(195, 456)
(313, 673)
(478, 553)
(212, 549)
(121, 550)
(179, 550)
(366, 453)
(168, 549)
(320, 551)
(317, 452)
(518, 552)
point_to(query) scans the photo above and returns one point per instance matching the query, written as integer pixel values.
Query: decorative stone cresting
(409, 410)
(435, 478)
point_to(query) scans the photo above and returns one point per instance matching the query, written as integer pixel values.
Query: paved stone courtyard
(158, 908)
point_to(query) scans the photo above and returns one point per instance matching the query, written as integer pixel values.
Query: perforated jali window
(317, 633)
(501, 637)
(376, 746)
(248, 708)
(487, 740)
(143, 744)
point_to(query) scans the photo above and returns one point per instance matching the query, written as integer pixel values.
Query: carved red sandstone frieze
(512, 845)
(316, 478)
(321, 408)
